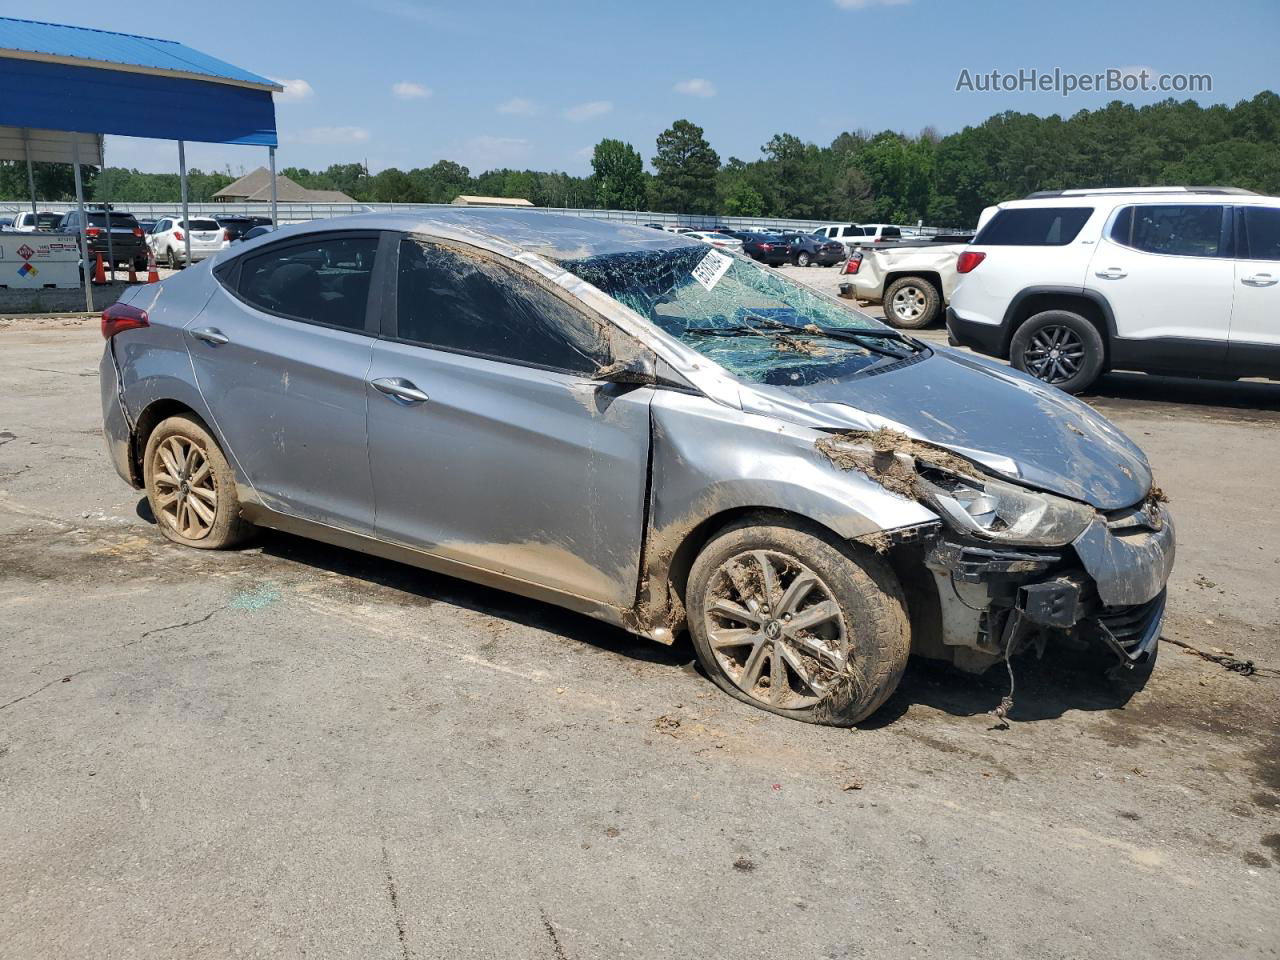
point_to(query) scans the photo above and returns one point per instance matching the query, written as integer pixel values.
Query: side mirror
(639, 370)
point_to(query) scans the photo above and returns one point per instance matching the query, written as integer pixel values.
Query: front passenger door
(491, 444)
(1254, 349)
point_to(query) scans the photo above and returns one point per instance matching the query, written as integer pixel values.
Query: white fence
(303, 212)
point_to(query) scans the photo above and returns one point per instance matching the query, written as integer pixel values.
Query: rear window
(203, 225)
(117, 220)
(1033, 227)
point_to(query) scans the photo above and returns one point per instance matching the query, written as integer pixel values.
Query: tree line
(860, 176)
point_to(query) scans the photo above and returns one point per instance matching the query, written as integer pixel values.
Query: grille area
(1132, 625)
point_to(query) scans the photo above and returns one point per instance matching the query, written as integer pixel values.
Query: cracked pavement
(295, 750)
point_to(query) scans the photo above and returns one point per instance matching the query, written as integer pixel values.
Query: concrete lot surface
(293, 750)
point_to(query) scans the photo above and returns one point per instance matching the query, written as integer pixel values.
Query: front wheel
(802, 259)
(190, 486)
(795, 622)
(1059, 347)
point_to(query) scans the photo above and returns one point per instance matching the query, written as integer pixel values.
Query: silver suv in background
(701, 444)
(1176, 280)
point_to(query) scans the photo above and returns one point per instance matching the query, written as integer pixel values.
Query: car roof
(551, 235)
(1124, 198)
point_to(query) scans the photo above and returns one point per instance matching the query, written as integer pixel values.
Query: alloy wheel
(186, 493)
(909, 303)
(775, 629)
(1054, 354)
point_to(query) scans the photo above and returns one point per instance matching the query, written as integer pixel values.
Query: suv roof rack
(1095, 191)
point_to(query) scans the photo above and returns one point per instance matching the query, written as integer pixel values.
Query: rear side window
(323, 281)
(1262, 232)
(1179, 230)
(469, 304)
(891, 233)
(1033, 227)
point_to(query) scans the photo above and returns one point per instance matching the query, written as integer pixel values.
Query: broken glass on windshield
(754, 322)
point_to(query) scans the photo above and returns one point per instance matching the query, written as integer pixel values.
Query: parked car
(852, 234)
(168, 243)
(766, 247)
(1068, 285)
(126, 243)
(692, 435)
(147, 225)
(655, 226)
(6, 223)
(721, 240)
(254, 232)
(914, 281)
(237, 225)
(804, 249)
(29, 222)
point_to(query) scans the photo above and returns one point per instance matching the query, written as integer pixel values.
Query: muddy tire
(1059, 347)
(911, 303)
(190, 486)
(796, 622)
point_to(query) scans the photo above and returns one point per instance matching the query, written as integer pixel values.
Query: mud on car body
(702, 444)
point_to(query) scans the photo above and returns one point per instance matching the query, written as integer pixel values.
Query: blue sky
(536, 84)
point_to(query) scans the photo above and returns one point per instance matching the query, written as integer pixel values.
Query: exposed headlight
(995, 510)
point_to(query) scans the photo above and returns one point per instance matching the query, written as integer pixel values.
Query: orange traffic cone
(99, 275)
(153, 274)
(133, 274)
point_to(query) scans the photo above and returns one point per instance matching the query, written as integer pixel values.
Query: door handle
(398, 388)
(1260, 280)
(211, 335)
(1111, 273)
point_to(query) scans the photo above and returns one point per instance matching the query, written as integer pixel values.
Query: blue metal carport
(57, 78)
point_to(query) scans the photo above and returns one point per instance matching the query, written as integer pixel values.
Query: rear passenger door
(1254, 348)
(491, 444)
(281, 352)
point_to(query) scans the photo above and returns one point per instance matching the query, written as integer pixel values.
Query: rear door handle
(398, 388)
(1111, 273)
(1260, 280)
(211, 335)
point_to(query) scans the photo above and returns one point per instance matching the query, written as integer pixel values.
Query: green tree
(619, 175)
(686, 170)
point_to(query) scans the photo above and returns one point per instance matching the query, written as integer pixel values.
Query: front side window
(1179, 230)
(323, 281)
(1262, 232)
(470, 303)
(1033, 227)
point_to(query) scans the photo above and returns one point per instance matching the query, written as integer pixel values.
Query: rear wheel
(794, 622)
(190, 486)
(911, 303)
(802, 259)
(1059, 347)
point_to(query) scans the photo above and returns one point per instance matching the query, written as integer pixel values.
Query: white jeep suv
(1176, 280)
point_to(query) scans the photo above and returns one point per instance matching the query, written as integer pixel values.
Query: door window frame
(391, 314)
(1227, 236)
(228, 275)
(1244, 249)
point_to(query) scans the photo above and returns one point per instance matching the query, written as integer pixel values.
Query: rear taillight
(968, 260)
(119, 317)
(177, 235)
(766, 246)
(92, 231)
(226, 235)
(137, 231)
(854, 264)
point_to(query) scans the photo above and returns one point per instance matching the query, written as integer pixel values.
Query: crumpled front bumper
(1127, 567)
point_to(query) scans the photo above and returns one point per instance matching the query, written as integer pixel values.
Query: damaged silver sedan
(655, 434)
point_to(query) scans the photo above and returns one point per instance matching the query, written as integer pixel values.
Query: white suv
(1176, 280)
(852, 234)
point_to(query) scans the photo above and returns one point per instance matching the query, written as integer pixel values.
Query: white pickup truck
(914, 281)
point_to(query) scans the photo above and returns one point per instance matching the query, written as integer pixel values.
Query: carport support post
(84, 238)
(186, 219)
(31, 176)
(271, 159)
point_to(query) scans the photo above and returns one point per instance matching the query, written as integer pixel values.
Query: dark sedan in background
(804, 249)
(766, 247)
(237, 225)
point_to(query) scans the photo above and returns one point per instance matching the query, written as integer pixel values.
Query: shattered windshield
(750, 319)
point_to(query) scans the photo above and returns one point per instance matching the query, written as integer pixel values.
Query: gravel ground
(295, 750)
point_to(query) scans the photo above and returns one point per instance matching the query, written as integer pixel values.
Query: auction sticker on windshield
(711, 268)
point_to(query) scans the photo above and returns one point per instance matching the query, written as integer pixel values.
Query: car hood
(1012, 424)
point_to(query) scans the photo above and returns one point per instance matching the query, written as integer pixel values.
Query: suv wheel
(190, 486)
(911, 303)
(1059, 347)
(792, 621)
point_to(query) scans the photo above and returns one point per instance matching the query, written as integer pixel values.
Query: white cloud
(519, 107)
(411, 91)
(696, 87)
(331, 135)
(588, 110)
(863, 4)
(293, 90)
